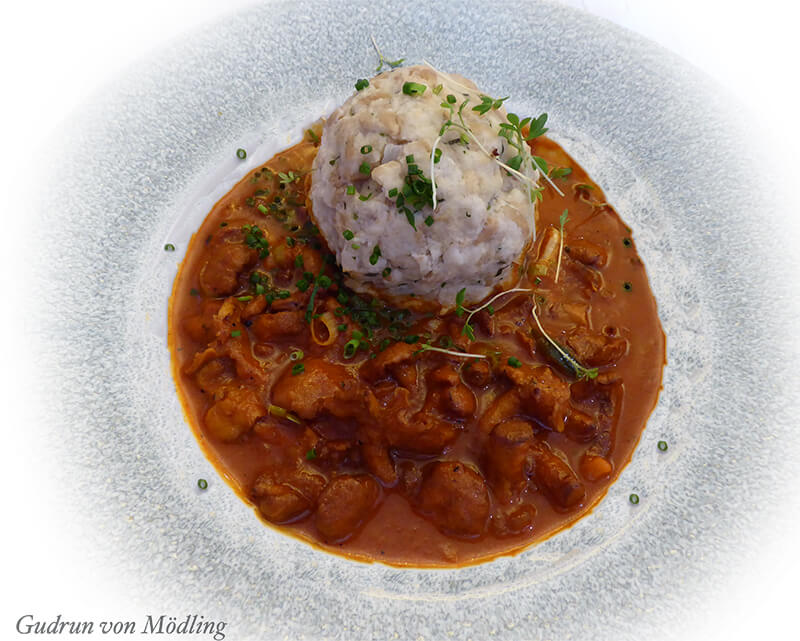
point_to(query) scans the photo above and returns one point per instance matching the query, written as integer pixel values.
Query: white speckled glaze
(143, 163)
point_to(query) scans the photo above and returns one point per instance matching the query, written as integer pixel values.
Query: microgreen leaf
(537, 127)
(382, 60)
(460, 301)
(562, 220)
(560, 172)
(288, 178)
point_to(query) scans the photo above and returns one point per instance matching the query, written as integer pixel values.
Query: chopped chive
(429, 221)
(451, 99)
(662, 445)
(312, 453)
(386, 271)
(244, 299)
(376, 253)
(262, 209)
(362, 83)
(298, 368)
(414, 88)
(348, 235)
(437, 89)
(350, 348)
(365, 169)
(302, 284)
(351, 190)
(514, 362)
(437, 155)
(393, 192)
(236, 333)
(341, 328)
(366, 149)
(202, 484)
(296, 355)
(324, 281)
(634, 498)
(169, 247)
(314, 137)
(241, 154)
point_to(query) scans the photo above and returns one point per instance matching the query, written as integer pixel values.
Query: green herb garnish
(488, 103)
(562, 220)
(382, 60)
(468, 330)
(376, 254)
(276, 410)
(414, 88)
(562, 356)
(310, 308)
(560, 172)
(355, 343)
(254, 238)
(460, 301)
(288, 178)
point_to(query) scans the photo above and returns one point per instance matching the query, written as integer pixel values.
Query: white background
(55, 54)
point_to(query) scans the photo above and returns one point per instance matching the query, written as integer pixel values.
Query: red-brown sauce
(399, 455)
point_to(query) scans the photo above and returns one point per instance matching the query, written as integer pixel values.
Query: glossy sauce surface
(323, 409)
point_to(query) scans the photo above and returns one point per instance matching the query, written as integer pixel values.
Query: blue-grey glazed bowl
(142, 163)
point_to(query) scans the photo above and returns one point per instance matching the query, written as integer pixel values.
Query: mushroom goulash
(373, 368)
